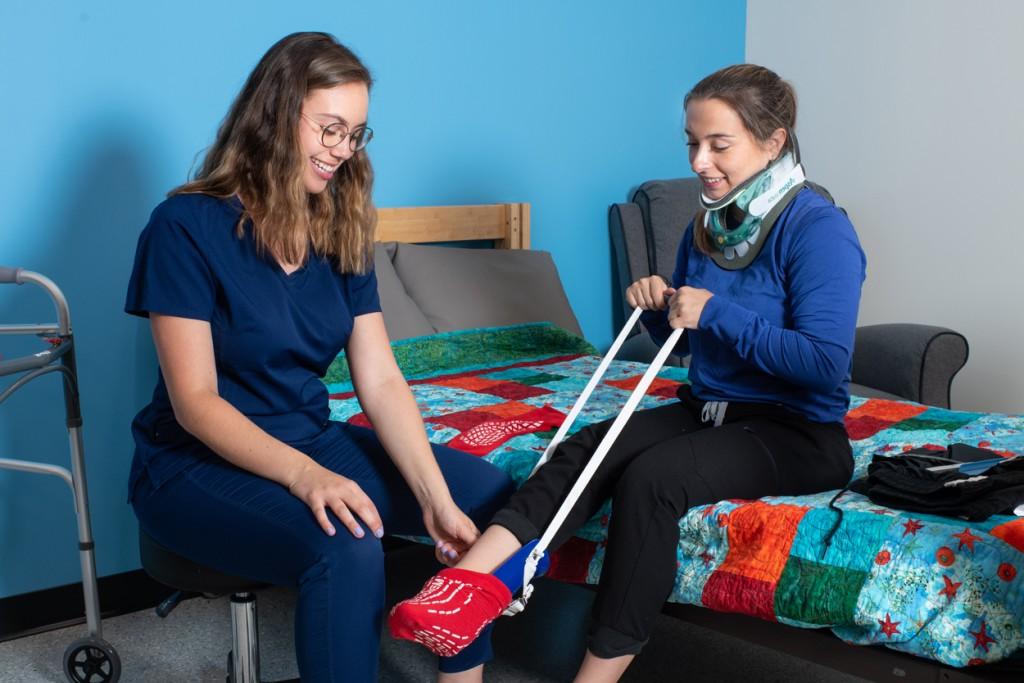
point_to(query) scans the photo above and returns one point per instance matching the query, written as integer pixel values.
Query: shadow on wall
(89, 218)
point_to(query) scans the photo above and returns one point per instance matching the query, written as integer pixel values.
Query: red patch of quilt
(571, 562)
(727, 592)
(464, 419)
(513, 390)
(486, 435)
(360, 420)
(864, 426)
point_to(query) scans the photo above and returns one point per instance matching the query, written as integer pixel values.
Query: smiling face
(345, 104)
(723, 152)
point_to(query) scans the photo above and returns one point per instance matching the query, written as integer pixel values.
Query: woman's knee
(344, 549)
(344, 557)
(479, 488)
(494, 491)
(652, 478)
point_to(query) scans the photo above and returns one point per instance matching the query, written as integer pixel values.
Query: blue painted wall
(107, 104)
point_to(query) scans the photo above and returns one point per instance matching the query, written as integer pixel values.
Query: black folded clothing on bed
(910, 481)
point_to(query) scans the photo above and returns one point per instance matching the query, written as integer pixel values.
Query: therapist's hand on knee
(322, 489)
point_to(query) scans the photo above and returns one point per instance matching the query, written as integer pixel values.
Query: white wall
(912, 114)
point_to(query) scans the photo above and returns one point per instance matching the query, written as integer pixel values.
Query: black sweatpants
(665, 461)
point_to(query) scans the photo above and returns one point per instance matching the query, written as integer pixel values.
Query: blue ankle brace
(511, 572)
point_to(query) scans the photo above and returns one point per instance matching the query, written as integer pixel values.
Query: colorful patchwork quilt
(937, 587)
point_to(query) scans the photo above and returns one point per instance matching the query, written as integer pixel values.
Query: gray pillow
(460, 289)
(402, 317)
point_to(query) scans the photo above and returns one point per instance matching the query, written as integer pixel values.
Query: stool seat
(181, 573)
(187, 576)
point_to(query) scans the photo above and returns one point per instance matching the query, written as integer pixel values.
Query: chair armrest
(626, 226)
(916, 362)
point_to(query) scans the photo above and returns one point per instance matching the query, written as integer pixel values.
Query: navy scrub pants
(229, 519)
(665, 461)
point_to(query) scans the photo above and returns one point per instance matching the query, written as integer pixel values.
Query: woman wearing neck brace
(767, 284)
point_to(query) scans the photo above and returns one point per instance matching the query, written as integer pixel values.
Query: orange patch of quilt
(468, 383)
(629, 384)
(507, 409)
(760, 536)
(1011, 532)
(890, 411)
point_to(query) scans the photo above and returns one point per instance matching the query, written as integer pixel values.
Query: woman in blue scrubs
(254, 276)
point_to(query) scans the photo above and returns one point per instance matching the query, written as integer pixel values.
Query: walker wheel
(91, 660)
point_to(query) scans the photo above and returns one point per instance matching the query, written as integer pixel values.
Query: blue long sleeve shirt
(780, 330)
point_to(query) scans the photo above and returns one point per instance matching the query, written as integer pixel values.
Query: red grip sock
(450, 611)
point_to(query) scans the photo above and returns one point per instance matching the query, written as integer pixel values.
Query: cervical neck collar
(754, 198)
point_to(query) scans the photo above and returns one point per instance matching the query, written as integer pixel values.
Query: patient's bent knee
(652, 479)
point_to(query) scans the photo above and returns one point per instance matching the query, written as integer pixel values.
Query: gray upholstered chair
(895, 360)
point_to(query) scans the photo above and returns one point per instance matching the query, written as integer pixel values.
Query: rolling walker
(90, 659)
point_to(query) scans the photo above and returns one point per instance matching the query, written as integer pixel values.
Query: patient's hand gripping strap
(530, 566)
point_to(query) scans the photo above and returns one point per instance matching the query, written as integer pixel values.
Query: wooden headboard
(507, 224)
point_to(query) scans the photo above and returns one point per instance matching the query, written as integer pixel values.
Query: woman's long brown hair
(256, 157)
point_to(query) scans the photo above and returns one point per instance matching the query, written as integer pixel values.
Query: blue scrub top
(274, 335)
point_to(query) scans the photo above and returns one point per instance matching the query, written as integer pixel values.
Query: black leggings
(664, 462)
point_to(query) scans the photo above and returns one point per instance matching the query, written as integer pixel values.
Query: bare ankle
(596, 669)
(493, 547)
(474, 675)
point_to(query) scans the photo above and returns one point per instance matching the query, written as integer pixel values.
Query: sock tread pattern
(450, 611)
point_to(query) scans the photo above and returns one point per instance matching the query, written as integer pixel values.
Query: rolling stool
(187, 577)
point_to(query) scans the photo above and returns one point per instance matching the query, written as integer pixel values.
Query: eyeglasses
(334, 134)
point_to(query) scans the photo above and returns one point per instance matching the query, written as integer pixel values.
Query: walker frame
(90, 659)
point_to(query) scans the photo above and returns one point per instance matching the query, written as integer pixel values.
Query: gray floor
(542, 645)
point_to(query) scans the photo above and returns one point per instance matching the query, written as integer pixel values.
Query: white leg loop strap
(530, 566)
(589, 389)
